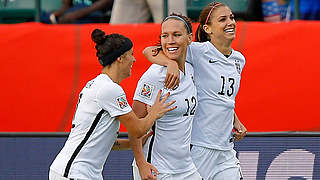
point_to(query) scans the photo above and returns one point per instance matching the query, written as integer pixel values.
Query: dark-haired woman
(169, 148)
(101, 107)
(217, 77)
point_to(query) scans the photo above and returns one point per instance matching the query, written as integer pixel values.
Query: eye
(177, 34)
(222, 19)
(164, 35)
(232, 17)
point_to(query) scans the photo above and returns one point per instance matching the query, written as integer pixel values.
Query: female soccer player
(217, 77)
(102, 105)
(169, 147)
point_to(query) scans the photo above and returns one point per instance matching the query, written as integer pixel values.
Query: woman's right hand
(173, 75)
(159, 108)
(147, 171)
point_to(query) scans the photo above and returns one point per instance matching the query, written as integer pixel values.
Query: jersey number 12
(191, 106)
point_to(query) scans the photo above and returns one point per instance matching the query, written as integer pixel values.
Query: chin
(173, 57)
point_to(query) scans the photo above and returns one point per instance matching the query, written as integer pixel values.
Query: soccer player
(217, 77)
(102, 105)
(169, 147)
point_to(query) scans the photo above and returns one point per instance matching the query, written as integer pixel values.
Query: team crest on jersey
(146, 90)
(122, 101)
(238, 67)
(88, 85)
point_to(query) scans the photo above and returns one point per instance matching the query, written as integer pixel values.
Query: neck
(181, 64)
(112, 72)
(223, 46)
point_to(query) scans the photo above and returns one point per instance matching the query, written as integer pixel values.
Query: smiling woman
(101, 107)
(169, 148)
(217, 74)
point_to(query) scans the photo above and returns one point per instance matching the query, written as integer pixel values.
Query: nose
(231, 21)
(171, 39)
(133, 59)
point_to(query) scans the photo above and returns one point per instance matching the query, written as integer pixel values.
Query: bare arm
(121, 144)
(240, 130)
(145, 168)
(138, 127)
(98, 5)
(124, 144)
(173, 74)
(66, 4)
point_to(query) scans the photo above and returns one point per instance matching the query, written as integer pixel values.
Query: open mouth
(173, 49)
(230, 30)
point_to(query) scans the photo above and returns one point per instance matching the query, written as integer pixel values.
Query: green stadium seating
(17, 11)
(239, 7)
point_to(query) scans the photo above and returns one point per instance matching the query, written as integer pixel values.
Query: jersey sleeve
(193, 51)
(149, 85)
(189, 55)
(113, 99)
(243, 62)
(241, 59)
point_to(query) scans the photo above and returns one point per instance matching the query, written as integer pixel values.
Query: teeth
(229, 30)
(172, 49)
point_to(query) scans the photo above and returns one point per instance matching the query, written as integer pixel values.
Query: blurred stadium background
(43, 68)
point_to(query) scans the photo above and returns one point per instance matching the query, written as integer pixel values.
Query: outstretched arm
(138, 127)
(124, 144)
(145, 169)
(121, 144)
(158, 57)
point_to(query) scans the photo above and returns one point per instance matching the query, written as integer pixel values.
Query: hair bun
(98, 36)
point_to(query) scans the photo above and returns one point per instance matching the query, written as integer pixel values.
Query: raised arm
(157, 57)
(138, 127)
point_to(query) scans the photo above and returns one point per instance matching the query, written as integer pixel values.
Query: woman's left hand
(240, 130)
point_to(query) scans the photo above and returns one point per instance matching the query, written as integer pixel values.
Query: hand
(53, 19)
(145, 137)
(148, 171)
(173, 75)
(240, 130)
(159, 108)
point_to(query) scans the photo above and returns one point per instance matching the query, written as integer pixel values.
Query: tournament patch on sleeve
(122, 101)
(146, 90)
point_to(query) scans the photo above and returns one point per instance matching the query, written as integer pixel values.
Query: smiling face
(175, 39)
(222, 25)
(127, 62)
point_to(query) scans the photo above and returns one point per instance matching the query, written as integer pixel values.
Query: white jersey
(169, 147)
(94, 130)
(217, 79)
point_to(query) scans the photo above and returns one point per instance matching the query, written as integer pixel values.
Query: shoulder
(108, 89)
(189, 66)
(155, 73)
(198, 45)
(239, 56)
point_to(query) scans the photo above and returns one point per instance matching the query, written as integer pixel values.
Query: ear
(119, 59)
(206, 29)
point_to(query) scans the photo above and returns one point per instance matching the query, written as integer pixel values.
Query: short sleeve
(112, 98)
(189, 58)
(193, 51)
(240, 59)
(149, 85)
